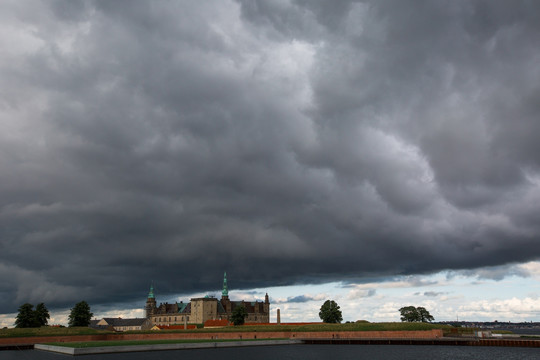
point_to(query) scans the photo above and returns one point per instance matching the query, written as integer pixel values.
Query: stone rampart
(420, 334)
(427, 334)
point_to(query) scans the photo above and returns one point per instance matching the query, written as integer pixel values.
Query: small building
(119, 324)
(483, 334)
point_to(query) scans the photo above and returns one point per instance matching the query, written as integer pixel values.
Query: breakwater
(441, 341)
(161, 347)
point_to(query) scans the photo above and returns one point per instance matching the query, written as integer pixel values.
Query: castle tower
(150, 307)
(266, 305)
(266, 308)
(227, 305)
(225, 291)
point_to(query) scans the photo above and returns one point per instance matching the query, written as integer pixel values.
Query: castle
(199, 310)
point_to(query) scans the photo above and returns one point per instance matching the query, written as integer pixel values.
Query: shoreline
(271, 342)
(215, 345)
(448, 341)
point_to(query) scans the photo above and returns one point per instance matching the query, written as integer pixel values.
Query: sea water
(315, 352)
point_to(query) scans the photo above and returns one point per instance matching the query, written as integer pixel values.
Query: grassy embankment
(50, 331)
(395, 326)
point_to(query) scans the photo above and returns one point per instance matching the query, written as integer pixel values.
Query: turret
(225, 296)
(150, 307)
(266, 305)
(225, 291)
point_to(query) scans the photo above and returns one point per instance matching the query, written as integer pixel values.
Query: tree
(424, 315)
(330, 312)
(409, 314)
(26, 317)
(80, 314)
(415, 314)
(41, 315)
(239, 315)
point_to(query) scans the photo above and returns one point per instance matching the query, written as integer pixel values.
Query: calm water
(286, 352)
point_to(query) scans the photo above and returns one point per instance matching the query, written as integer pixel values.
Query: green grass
(49, 331)
(392, 326)
(90, 344)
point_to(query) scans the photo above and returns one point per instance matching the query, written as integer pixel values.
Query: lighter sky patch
(448, 296)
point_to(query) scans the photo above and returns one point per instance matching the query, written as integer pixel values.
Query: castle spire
(225, 291)
(150, 307)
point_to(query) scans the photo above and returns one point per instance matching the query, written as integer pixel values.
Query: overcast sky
(291, 143)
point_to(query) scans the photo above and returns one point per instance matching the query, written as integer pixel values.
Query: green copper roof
(181, 306)
(225, 291)
(151, 293)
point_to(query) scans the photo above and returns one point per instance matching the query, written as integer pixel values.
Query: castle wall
(203, 309)
(200, 312)
(258, 318)
(170, 319)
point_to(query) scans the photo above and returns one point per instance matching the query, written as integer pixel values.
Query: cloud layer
(282, 141)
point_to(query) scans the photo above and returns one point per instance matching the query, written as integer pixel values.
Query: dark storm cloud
(282, 141)
(496, 273)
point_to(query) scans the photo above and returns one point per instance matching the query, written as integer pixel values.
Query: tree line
(80, 314)
(27, 317)
(330, 313)
(415, 314)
